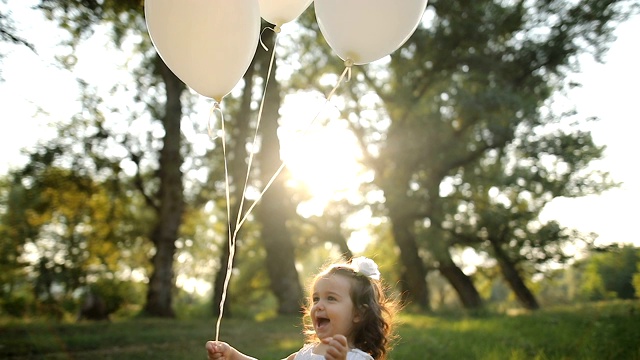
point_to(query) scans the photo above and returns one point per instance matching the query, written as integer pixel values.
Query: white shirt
(306, 353)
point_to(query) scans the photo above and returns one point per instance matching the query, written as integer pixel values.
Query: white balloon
(279, 12)
(367, 30)
(208, 44)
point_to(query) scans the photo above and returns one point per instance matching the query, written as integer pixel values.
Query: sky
(610, 92)
(34, 84)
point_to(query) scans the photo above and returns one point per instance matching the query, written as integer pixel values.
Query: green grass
(595, 331)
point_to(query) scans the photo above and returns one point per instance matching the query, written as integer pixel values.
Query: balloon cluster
(209, 44)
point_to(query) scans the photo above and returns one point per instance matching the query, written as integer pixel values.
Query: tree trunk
(513, 278)
(439, 248)
(280, 252)
(413, 275)
(275, 207)
(461, 283)
(412, 271)
(170, 202)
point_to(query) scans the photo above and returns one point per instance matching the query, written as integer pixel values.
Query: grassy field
(595, 331)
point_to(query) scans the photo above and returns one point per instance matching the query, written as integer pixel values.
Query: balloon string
(233, 236)
(275, 29)
(240, 220)
(255, 136)
(231, 239)
(216, 106)
(266, 187)
(346, 73)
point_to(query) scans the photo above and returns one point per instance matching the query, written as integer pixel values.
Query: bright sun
(322, 157)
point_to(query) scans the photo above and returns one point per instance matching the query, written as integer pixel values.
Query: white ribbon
(366, 267)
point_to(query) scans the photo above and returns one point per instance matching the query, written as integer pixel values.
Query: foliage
(636, 281)
(595, 331)
(455, 126)
(169, 173)
(8, 33)
(118, 294)
(65, 230)
(459, 127)
(17, 304)
(609, 275)
(153, 157)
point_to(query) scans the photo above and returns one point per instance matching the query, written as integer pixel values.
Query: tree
(462, 94)
(636, 281)
(167, 200)
(165, 194)
(472, 82)
(67, 227)
(496, 203)
(610, 274)
(9, 34)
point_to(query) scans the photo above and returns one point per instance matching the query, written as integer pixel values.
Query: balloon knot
(349, 64)
(276, 29)
(215, 108)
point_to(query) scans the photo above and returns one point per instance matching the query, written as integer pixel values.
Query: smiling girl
(348, 317)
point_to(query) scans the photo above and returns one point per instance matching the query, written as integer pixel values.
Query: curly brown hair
(374, 334)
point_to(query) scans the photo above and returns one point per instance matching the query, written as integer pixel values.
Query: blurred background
(488, 163)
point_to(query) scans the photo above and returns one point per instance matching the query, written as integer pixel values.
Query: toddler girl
(348, 317)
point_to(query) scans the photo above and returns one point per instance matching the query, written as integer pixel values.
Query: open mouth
(321, 322)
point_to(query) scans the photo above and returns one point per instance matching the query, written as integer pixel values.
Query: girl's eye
(315, 300)
(331, 298)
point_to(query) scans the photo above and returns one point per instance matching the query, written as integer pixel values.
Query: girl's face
(332, 311)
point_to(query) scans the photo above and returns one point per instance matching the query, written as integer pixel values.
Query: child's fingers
(211, 351)
(337, 348)
(341, 339)
(338, 341)
(215, 349)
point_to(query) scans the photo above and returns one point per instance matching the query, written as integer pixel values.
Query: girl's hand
(337, 348)
(217, 350)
